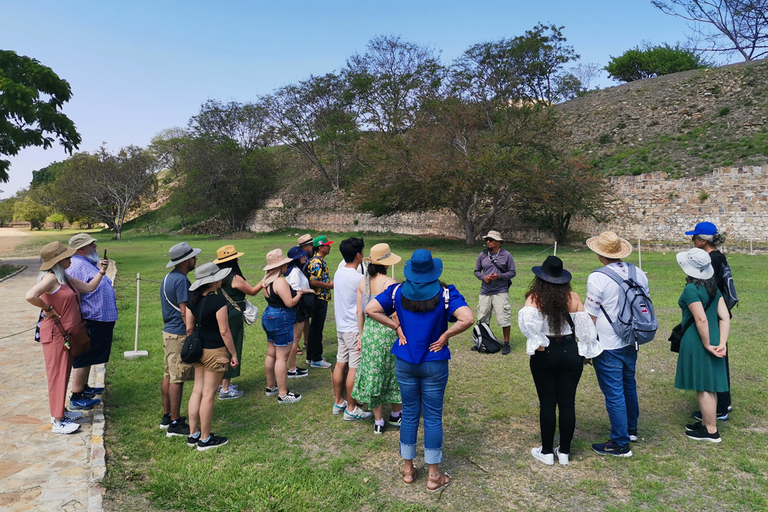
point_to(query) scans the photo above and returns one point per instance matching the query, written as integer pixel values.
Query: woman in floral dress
(375, 381)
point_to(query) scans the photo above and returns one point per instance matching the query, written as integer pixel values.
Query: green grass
(301, 457)
(6, 270)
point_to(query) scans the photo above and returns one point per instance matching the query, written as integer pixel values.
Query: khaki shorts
(348, 352)
(175, 369)
(499, 303)
(214, 360)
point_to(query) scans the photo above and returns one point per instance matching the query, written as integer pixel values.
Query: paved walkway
(39, 470)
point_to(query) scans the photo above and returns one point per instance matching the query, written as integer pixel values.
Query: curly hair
(710, 285)
(552, 300)
(717, 239)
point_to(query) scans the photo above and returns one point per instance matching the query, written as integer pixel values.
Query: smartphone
(105, 254)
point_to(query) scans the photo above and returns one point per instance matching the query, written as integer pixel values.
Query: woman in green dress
(234, 288)
(375, 380)
(700, 364)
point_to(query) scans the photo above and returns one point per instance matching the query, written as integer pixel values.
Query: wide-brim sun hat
(208, 273)
(696, 263)
(493, 235)
(53, 253)
(552, 271)
(80, 240)
(227, 253)
(381, 254)
(422, 267)
(609, 245)
(181, 252)
(703, 228)
(296, 253)
(276, 259)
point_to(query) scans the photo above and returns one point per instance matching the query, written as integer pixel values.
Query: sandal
(299, 352)
(438, 482)
(408, 479)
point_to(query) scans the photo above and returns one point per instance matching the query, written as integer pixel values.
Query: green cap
(321, 240)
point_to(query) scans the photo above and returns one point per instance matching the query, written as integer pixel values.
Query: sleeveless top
(274, 299)
(235, 294)
(65, 301)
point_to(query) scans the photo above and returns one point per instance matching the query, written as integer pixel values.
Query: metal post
(555, 249)
(750, 247)
(133, 354)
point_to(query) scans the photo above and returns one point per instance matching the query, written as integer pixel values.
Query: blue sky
(138, 67)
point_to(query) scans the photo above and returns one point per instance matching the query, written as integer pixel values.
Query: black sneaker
(690, 427)
(192, 440)
(178, 428)
(89, 392)
(633, 435)
(289, 398)
(702, 435)
(722, 416)
(506, 349)
(212, 442)
(395, 422)
(165, 422)
(378, 429)
(611, 448)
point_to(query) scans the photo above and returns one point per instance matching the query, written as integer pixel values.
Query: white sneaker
(65, 426)
(70, 415)
(562, 458)
(357, 414)
(339, 408)
(546, 458)
(289, 398)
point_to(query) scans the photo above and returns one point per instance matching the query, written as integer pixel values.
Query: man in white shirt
(615, 366)
(345, 282)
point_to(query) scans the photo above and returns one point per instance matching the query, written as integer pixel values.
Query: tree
(638, 64)
(6, 210)
(28, 209)
(31, 97)
(245, 123)
(220, 178)
(58, 220)
(316, 119)
(391, 80)
(724, 26)
(167, 146)
(102, 186)
(558, 189)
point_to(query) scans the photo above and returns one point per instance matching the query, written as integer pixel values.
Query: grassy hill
(685, 123)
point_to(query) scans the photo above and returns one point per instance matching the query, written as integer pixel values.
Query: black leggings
(556, 372)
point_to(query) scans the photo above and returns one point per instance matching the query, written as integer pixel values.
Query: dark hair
(234, 265)
(196, 295)
(375, 270)
(552, 301)
(422, 306)
(293, 264)
(710, 285)
(350, 248)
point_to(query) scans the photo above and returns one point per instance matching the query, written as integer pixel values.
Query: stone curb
(12, 274)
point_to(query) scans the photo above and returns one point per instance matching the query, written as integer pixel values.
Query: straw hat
(53, 253)
(80, 240)
(208, 273)
(382, 255)
(304, 239)
(181, 252)
(609, 245)
(227, 253)
(552, 271)
(696, 263)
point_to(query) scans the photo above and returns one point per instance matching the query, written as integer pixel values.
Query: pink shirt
(64, 301)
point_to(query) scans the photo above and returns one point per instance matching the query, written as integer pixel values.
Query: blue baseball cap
(703, 228)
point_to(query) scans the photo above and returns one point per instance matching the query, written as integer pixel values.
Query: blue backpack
(636, 322)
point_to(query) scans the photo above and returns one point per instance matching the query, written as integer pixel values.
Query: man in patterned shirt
(321, 282)
(99, 310)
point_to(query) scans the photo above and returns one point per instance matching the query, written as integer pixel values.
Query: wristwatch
(49, 308)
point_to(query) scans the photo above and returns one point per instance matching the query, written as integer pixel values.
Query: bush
(637, 64)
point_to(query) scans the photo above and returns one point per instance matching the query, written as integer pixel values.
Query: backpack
(485, 341)
(636, 322)
(730, 297)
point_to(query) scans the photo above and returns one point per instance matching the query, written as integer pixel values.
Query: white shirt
(345, 282)
(604, 291)
(297, 279)
(535, 328)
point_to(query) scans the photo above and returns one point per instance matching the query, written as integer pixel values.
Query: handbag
(676, 337)
(251, 312)
(192, 349)
(76, 340)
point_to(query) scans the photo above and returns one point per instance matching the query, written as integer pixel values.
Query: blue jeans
(615, 370)
(422, 388)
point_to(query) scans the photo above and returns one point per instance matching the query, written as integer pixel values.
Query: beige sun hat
(53, 253)
(80, 240)
(304, 239)
(609, 245)
(381, 254)
(493, 235)
(275, 260)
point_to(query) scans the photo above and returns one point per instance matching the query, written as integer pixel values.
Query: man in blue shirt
(174, 295)
(99, 309)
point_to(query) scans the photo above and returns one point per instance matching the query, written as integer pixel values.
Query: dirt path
(9, 239)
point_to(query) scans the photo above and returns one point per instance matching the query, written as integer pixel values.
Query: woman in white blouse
(560, 338)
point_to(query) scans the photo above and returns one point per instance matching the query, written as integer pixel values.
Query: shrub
(652, 61)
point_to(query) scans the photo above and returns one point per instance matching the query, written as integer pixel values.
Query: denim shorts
(278, 324)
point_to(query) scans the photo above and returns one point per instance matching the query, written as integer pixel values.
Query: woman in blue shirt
(424, 307)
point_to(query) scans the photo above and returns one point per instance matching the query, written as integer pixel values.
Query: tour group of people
(392, 336)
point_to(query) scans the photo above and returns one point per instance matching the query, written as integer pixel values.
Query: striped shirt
(100, 304)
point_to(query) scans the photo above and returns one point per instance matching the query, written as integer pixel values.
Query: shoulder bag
(192, 350)
(679, 330)
(251, 312)
(76, 339)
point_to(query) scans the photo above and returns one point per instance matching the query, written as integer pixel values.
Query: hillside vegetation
(684, 123)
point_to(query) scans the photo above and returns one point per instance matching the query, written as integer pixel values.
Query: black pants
(724, 397)
(316, 326)
(556, 372)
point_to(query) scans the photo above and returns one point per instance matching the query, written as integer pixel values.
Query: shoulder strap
(446, 297)
(394, 291)
(229, 299)
(174, 306)
(617, 278)
(570, 322)
(690, 321)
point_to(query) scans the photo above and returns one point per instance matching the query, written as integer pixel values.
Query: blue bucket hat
(295, 253)
(421, 273)
(703, 228)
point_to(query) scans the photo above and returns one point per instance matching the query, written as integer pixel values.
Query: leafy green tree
(245, 123)
(724, 26)
(31, 97)
(58, 220)
(6, 210)
(47, 174)
(652, 61)
(221, 178)
(27, 208)
(167, 146)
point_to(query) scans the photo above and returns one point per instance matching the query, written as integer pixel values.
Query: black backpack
(485, 341)
(730, 297)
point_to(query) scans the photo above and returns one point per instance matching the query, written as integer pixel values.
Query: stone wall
(649, 207)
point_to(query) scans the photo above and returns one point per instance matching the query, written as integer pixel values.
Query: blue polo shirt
(421, 329)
